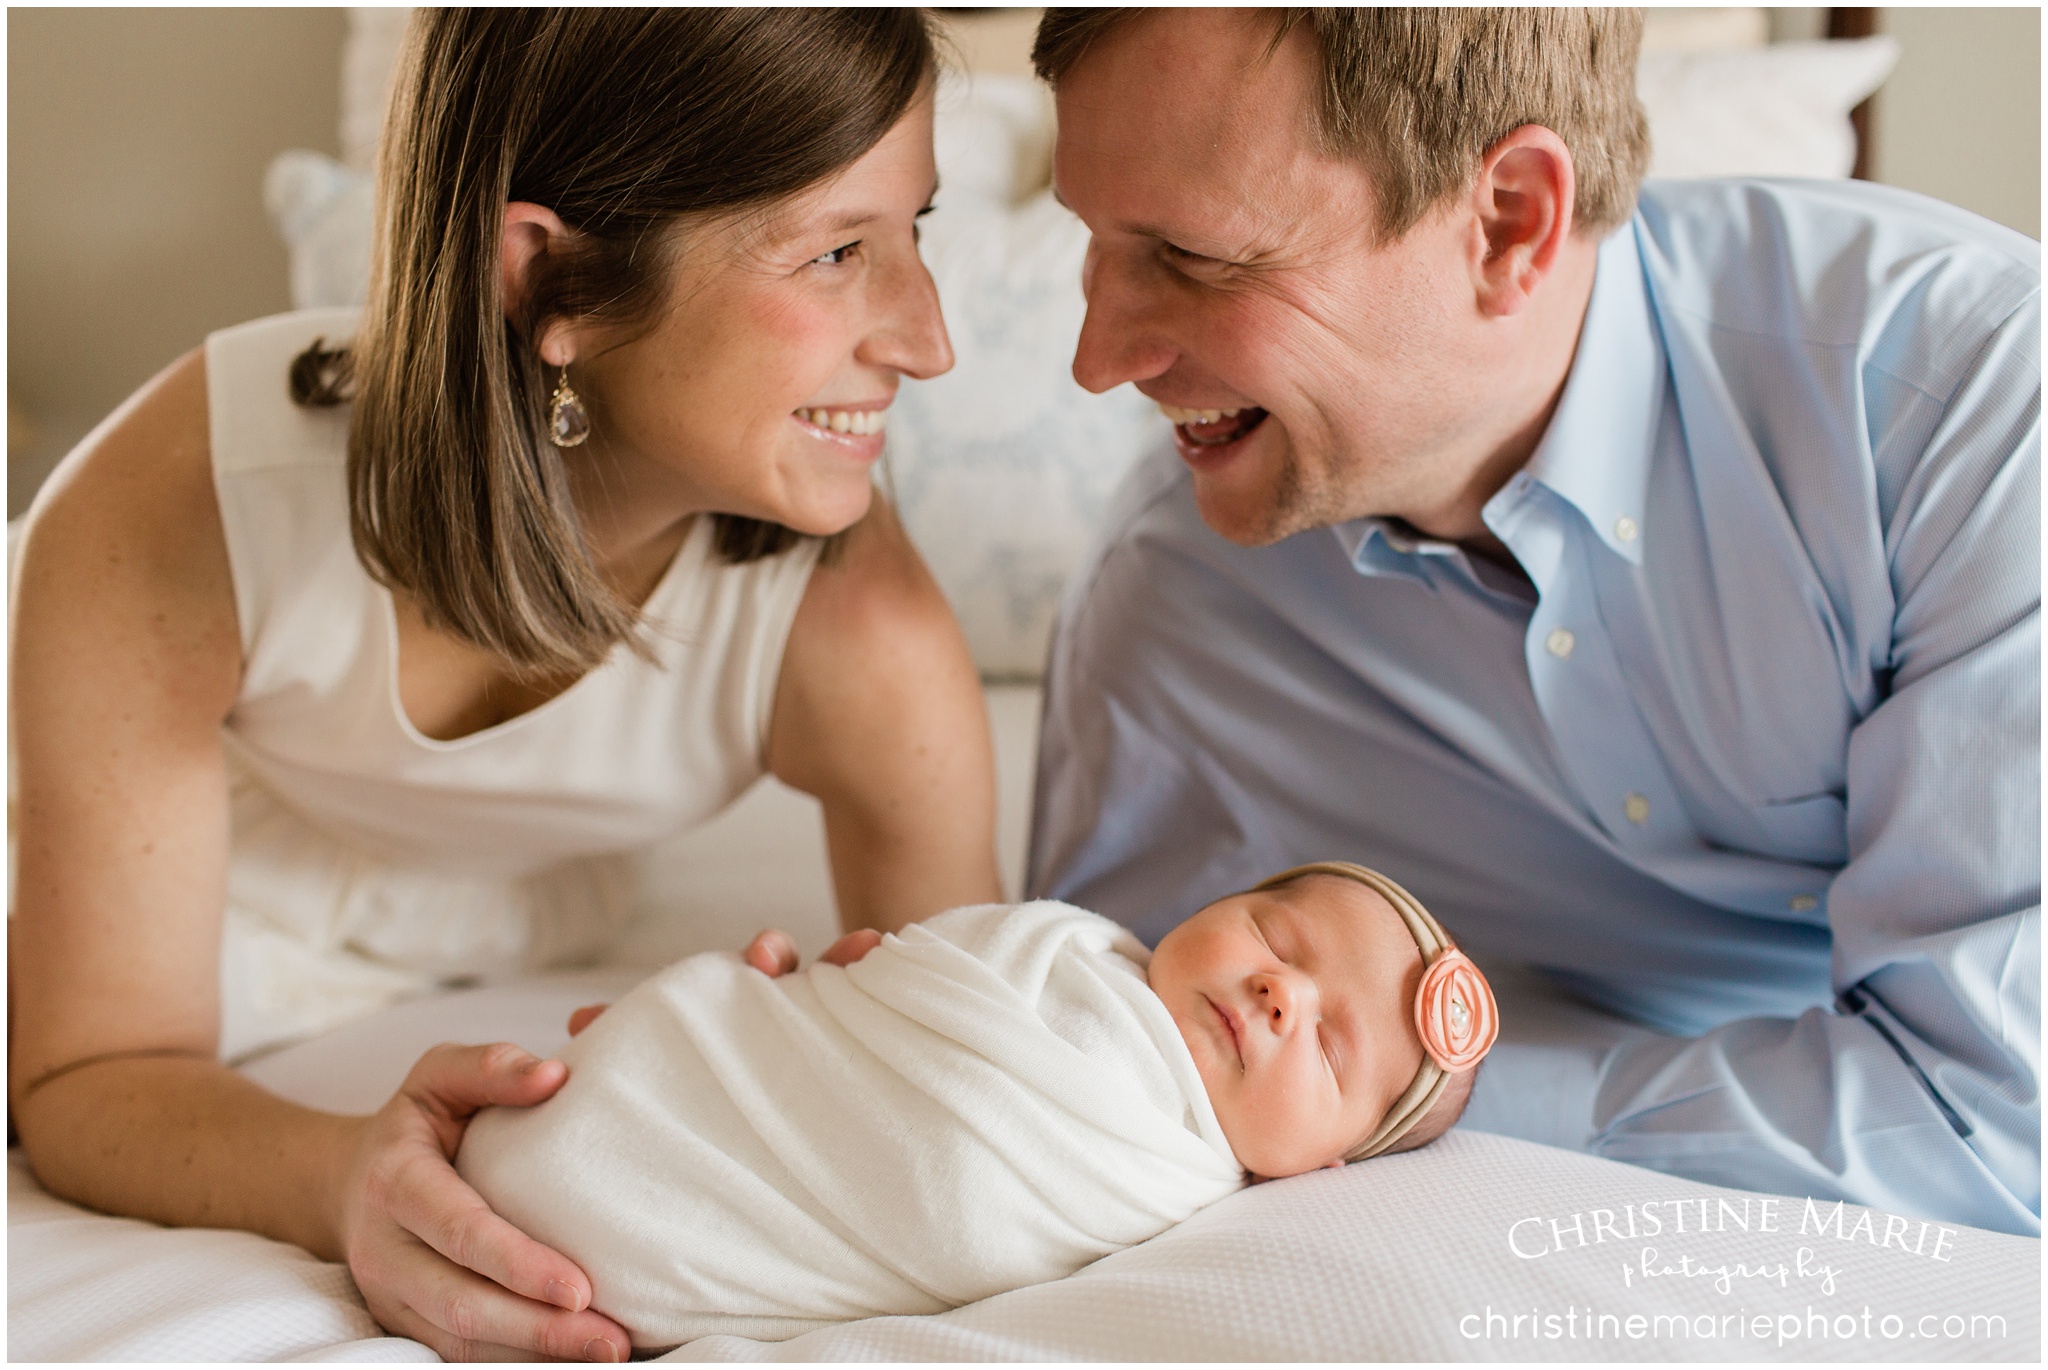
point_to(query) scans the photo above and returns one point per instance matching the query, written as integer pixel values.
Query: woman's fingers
(772, 953)
(428, 1199)
(464, 1317)
(585, 1016)
(453, 1082)
(852, 947)
(431, 1258)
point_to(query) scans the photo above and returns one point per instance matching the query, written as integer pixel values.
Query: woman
(343, 665)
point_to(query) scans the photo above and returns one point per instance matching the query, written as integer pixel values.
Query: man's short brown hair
(1419, 94)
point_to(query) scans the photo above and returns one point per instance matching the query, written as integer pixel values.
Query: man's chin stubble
(1291, 506)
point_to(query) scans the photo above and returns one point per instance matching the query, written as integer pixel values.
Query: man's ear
(1522, 207)
(530, 231)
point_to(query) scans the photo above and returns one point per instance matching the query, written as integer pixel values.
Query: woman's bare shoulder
(145, 462)
(875, 649)
(872, 601)
(125, 539)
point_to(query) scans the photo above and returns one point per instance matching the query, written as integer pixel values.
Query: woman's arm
(879, 714)
(125, 660)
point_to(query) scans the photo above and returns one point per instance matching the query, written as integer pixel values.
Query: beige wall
(136, 143)
(1960, 118)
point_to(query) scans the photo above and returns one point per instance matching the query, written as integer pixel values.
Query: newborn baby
(989, 1099)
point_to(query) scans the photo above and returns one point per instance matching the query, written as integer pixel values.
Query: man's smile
(1211, 427)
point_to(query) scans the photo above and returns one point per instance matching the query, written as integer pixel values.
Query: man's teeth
(855, 422)
(1179, 415)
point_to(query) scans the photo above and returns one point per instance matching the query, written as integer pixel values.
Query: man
(1652, 587)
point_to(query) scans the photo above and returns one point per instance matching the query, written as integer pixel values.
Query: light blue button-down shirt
(1757, 760)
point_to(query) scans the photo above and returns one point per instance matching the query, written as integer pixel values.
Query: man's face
(1235, 266)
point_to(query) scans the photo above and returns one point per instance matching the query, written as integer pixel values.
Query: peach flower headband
(1454, 1010)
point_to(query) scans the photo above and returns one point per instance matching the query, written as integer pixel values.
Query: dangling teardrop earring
(568, 420)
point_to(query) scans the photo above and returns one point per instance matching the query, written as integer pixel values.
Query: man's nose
(1120, 338)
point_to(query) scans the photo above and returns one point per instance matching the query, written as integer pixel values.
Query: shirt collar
(1596, 452)
(1383, 547)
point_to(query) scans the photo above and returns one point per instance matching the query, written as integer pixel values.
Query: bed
(1480, 1247)
(1495, 1244)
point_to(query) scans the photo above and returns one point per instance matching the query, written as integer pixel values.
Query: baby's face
(1297, 1005)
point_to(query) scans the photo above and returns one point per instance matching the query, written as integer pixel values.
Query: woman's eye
(837, 256)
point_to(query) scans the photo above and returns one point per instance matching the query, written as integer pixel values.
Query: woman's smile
(855, 430)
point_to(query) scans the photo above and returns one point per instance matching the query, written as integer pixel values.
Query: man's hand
(431, 1259)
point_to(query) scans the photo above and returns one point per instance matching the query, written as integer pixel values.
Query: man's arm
(1919, 1093)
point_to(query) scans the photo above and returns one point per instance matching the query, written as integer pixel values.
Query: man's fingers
(585, 1016)
(464, 1317)
(772, 953)
(852, 947)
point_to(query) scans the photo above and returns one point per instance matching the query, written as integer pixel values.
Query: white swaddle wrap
(990, 1099)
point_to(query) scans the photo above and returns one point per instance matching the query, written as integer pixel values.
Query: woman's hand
(433, 1262)
(773, 953)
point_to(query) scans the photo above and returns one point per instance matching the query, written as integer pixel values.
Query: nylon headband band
(1422, 1093)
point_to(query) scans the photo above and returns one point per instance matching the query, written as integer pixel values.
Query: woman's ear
(530, 232)
(1522, 212)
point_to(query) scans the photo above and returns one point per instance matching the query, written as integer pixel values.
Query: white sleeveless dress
(369, 862)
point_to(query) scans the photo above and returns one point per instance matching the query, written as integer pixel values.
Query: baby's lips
(1455, 1013)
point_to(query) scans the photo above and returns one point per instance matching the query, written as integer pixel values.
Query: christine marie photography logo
(1795, 1258)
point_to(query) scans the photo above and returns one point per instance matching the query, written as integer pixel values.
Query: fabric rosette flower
(1455, 1012)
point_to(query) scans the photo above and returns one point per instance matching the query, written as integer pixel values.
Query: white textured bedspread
(1408, 1258)
(991, 1099)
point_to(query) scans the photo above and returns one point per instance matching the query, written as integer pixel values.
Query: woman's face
(762, 389)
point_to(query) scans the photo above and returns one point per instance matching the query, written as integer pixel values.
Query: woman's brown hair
(624, 122)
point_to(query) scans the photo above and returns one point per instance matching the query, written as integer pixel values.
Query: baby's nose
(1281, 998)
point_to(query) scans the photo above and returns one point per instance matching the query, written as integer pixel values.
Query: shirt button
(1625, 528)
(1636, 809)
(1560, 642)
(1804, 903)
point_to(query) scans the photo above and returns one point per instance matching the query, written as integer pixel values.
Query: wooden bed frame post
(1857, 23)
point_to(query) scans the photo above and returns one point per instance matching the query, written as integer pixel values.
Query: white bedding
(1394, 1259)
(1378, 1261)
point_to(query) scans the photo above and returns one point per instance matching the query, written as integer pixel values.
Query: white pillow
(1781, 110)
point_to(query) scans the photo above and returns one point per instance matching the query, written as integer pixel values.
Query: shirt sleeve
(1918, 1093)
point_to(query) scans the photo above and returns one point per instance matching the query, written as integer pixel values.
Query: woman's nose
(911, 336)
